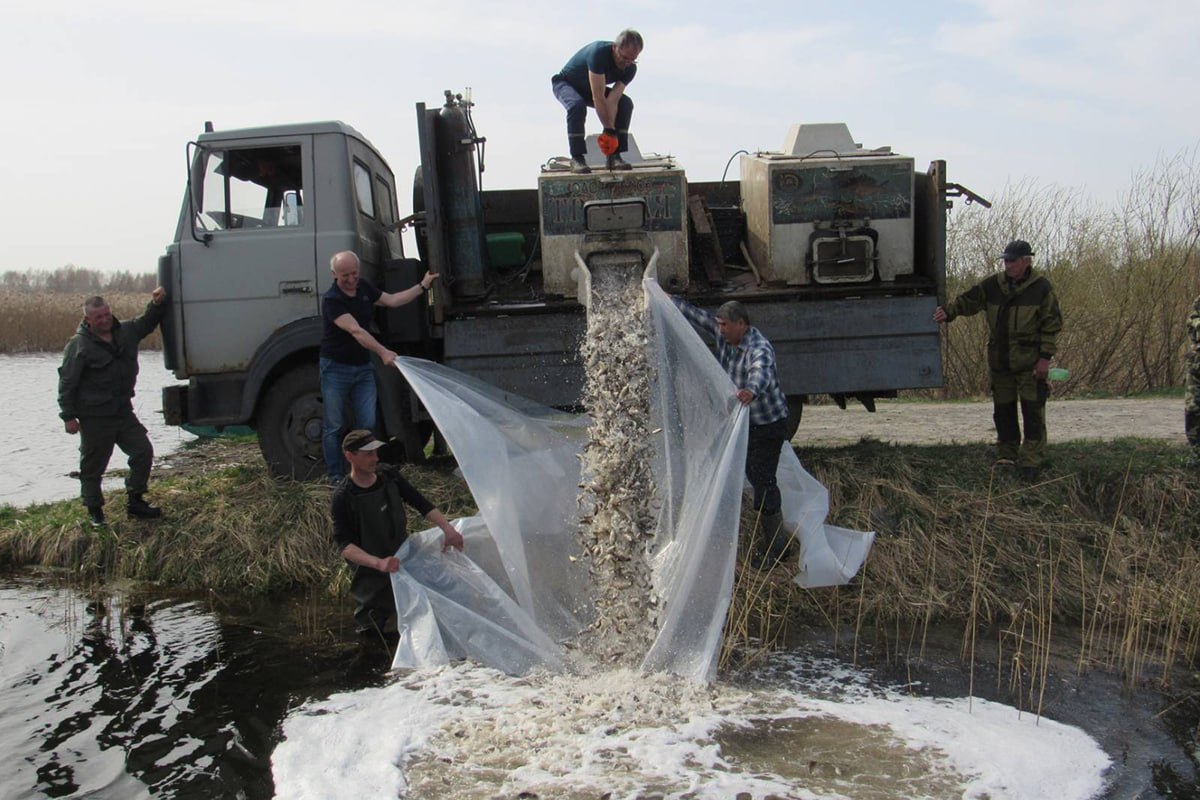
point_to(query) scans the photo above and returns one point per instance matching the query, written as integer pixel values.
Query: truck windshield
(257, 187)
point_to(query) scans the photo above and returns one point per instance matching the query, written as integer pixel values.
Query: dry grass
(231, 527)
(1101, 555)
(43, 322)
(1106, 544)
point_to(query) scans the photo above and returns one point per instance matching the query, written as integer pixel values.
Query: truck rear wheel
(795, 404)
(289, 425)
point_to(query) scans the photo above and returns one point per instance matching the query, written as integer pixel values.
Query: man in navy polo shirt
(596, 76)
(347, 377)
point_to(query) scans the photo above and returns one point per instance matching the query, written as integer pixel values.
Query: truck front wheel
(289, 425)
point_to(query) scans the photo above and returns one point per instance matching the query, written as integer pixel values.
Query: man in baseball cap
(369, 526)
(360, 441)
(1017, 248)
(1023, 321)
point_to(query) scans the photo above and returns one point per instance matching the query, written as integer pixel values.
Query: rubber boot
(138, 508)
(777, 539)
(96, 517)
(615, 162)
(762, 543)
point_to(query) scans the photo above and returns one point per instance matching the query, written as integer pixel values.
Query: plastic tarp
(517, 597)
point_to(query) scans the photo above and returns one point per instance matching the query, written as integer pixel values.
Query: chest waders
(378, 516)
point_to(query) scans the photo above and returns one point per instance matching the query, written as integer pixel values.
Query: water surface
(37, 456)
(118, 694)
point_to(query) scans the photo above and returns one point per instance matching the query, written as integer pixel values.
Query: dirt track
(930, 423)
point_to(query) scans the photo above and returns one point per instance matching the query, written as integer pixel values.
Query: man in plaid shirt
(749, 359)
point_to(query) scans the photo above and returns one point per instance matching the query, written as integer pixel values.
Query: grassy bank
(1105, 543)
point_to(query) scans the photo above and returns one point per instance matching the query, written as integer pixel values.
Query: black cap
(1017, 248)
(359, 441)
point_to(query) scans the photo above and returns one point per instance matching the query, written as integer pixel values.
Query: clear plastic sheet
(523, 596)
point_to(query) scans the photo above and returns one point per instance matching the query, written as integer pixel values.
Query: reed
(1106, 543)
(39, 322)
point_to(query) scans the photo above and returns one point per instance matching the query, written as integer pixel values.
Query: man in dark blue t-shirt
(596, 76)
(347, 377)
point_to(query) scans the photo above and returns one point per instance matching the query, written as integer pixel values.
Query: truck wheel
(289, 425)
(795, 405)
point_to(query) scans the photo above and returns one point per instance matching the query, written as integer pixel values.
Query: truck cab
(264, 211)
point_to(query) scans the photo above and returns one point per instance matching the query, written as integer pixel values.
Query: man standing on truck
(369, 526)
(95, 394)
(1023, 325)
(596, 76)
(750, 361)
(347, 376)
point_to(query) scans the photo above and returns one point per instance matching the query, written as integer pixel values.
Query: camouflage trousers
(97, 438)
(1010, 390)
(1191, 401)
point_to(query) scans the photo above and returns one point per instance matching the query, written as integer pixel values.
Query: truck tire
(289, 425)
(795, 403)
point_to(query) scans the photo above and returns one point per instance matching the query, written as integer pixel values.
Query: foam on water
(809, 729)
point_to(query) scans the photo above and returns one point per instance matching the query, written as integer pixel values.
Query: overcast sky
(101, 98)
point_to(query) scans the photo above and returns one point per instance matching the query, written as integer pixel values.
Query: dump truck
(837, 250)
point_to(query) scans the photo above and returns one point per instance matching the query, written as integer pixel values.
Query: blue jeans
(344, 387)
(577, 106)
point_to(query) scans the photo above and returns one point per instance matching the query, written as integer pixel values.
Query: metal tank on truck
(837, 252)
(827, 211)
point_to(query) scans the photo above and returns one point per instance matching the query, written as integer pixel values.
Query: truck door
(249, 266)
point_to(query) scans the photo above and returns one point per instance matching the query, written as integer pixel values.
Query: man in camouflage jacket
(1191, 408)
(95, 396)
(1023, 326)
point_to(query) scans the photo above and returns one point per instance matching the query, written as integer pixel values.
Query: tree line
(71, 279)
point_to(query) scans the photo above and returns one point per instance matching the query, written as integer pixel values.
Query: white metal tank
(825, 210)
(561, 198)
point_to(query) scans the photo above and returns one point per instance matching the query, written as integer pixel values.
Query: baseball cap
(359, 441)
(1017, 248)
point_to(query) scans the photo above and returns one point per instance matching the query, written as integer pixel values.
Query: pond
(38, 456)
(112, 693)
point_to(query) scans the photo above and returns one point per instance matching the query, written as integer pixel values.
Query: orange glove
(608, 142)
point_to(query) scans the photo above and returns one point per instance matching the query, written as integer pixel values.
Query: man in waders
(369, 527)
(1023, 326)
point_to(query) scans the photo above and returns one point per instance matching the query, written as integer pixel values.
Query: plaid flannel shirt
(750, 365)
